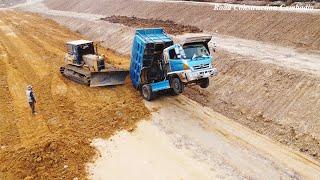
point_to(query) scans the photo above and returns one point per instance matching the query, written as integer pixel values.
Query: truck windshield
(195, 50)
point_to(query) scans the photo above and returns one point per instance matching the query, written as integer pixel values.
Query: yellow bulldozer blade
(108, 78)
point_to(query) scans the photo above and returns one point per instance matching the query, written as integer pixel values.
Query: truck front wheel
(147, 92)
(177, 86)
(204, 83)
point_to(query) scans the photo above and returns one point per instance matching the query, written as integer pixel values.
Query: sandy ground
(141, 158)
(187, 141)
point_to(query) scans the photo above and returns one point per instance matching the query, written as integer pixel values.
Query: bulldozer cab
(80, 48)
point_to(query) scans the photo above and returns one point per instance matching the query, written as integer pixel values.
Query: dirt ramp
(281, 103)
(169, 26)
(283, 28)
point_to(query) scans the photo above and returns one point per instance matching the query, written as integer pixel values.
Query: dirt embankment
(247, 2)
(169, 26)
(298, 3)
(280, 103)
(300, 30)
(55, 144)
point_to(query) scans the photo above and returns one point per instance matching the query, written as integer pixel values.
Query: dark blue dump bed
(148, 45)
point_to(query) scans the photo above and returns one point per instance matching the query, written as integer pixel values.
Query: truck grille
(201, 66)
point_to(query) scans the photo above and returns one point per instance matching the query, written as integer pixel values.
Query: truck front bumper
(200, 74)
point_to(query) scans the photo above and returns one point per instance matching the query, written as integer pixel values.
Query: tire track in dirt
(8, 131)
(17, 79)
(46, 52)
(188, 116)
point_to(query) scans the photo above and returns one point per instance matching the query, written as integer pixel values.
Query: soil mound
(169, 26)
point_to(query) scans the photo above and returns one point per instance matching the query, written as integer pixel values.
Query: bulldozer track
(76, 74)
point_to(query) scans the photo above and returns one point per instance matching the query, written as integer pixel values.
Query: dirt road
(193, 142)
(56, 142)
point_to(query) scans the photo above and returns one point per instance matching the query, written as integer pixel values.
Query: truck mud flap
(108, 78)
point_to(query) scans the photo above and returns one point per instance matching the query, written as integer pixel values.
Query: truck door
(175, 59)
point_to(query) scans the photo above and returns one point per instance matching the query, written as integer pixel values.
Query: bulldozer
(84, 65)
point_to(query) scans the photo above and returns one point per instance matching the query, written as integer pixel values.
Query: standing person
(31, 99)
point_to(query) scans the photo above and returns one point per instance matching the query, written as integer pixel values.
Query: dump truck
(159, 65)
(84, 65)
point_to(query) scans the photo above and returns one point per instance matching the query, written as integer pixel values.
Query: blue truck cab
(157, 64)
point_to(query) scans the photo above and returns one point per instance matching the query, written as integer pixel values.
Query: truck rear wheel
(147, 92)
(177, 86)
(204, 83)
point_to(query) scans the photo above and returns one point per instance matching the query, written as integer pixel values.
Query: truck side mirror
(177, 51)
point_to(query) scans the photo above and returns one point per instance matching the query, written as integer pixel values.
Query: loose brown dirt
(55, 143)
(169, 26)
